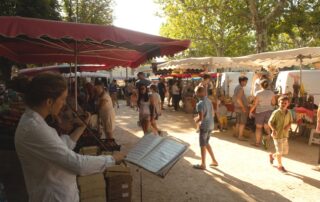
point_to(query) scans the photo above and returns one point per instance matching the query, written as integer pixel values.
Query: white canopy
(275, 59)
(280, 59)
(196, 63)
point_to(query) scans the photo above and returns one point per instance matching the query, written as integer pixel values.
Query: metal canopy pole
(300, 57)
(76, 65)
(75, 76)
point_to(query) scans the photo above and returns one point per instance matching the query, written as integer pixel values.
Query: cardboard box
(90, 179)
(100, 192)
(94, 199)
(92, 150)
(92, 186)
(119, 184)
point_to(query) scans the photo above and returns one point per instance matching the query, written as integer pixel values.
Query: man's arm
(287, 127)
(271, 125)
(255, 104)
(239, 100)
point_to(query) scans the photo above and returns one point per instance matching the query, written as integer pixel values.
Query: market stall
(38, 41)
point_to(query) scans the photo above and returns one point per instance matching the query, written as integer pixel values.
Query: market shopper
(317, 168)
(113, 91)
(49, 165)
(205, 83)
(241, 107)
(280, 123)
(142, 81)
(162, 91)
(263, 107)
(155, 108)
(176, 96)
(144, 109)
(205, 120)
(105, 111)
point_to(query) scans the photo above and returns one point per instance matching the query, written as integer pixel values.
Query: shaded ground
(244, 173)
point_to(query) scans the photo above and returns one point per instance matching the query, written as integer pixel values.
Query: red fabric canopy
(29, 40)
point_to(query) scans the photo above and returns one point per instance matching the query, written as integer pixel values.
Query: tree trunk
(261, 37)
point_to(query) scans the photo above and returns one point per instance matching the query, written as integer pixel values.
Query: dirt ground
(244, 172)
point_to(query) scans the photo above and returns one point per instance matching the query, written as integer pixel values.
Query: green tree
(89, 11)
(212, 25)
(298, 27)
(262, 13)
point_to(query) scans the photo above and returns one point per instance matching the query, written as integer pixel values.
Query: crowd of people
(45, 152)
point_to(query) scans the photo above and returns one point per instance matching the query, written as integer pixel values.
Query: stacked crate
(92, 188)
(119, 184)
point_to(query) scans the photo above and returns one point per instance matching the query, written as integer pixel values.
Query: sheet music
(143, 147)
(162, 155)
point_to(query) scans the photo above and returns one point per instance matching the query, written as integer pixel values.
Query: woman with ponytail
(263, 105)
(49, 164)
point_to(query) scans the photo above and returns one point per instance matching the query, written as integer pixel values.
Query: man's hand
(287, 127)
(244, 110)
(85, 118)
(118, 156)
(250, 115)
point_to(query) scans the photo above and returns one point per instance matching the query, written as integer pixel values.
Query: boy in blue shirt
(206, 124)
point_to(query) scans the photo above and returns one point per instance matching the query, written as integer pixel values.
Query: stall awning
(29, 40)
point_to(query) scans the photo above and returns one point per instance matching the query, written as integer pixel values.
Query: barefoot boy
(205, 120)
(280, 122)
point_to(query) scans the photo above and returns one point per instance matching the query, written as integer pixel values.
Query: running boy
(205, 120)
(280, 122)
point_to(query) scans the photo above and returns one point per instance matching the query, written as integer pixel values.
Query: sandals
(199, 167)
(255, 144)
(213, 165)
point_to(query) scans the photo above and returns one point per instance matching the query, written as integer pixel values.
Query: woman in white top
(175, 95)
(144, 109)
(155, 101)
(49, 165)
(263, 105)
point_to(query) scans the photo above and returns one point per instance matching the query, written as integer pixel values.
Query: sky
(137, 15)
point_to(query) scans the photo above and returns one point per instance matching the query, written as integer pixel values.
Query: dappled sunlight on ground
(244, 172)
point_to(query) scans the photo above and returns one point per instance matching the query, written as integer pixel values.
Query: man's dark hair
(206, 76)
(283, 98)
(243, 78)
(140, 73)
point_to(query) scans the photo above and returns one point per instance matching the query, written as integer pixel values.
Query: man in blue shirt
(206, 124)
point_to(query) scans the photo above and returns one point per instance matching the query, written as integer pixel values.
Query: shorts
(144, 117)
(223, 120)
(162, 96)
(262, 117)
(241, 117)
(281, 145)
(204, 137)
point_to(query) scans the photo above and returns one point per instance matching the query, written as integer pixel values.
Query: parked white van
(310, 80)
(229, 81)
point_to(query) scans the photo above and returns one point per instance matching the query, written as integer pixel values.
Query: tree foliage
(89, 11)
(211, 25)
(233, 28)
(45, 9)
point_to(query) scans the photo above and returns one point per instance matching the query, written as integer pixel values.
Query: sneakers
(282, 169)
(271, 159)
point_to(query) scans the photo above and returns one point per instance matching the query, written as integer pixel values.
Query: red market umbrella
(29, 40)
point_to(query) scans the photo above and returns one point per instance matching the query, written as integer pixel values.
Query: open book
(156, 154)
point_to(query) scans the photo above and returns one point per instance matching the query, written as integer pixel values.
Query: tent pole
(76, 65)
(75, 76)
